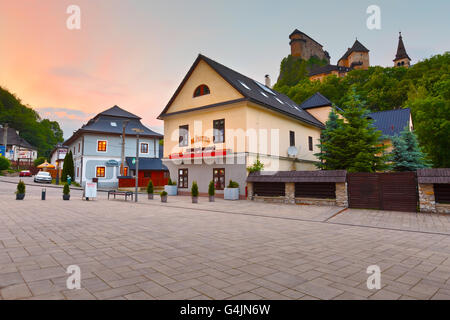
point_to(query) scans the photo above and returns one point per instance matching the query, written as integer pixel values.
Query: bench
(120, 193)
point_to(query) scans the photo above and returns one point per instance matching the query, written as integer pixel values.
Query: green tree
(39, 160)
(68, 167)
(406, 154)
(354, 144)
(4, 163)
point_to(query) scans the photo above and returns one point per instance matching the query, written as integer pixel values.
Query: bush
(233, 184)
(256, 167)
(211, 188)
(20, 187)
(39, 161)
(194, 189)
(66, 189)
(150, 187)
(171, 183)
(163, 193)
(4, 163)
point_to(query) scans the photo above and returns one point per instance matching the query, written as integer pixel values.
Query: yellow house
(218, 122)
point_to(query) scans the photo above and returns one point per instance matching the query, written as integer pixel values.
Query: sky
(134, 53)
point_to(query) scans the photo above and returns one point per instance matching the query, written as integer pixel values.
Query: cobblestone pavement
(221, 250)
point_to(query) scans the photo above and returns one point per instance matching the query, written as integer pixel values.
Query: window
(219, 130)
(201, 90)
(79, 145)
(144, 147)
(183, 178)
(100, 172)
(101, 145)
(183, 135)
(78, 172)
(310, 143)
(292, 138)
(73, 150)
(125, 171)
(113, 124)
(219, 178)
(147, 174)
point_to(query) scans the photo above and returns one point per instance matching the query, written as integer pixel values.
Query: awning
(154, 164)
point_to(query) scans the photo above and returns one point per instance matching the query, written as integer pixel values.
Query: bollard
(43, 194)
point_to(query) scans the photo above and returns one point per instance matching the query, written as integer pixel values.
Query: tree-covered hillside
(41, 133)
(425, 88)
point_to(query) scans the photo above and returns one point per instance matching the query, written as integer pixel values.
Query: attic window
(265, 95)
(201, 90)
(113, 124)
(279, 100)
(244, 85)
(266, 89)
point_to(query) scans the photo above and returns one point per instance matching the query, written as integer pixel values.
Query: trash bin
(69, 180)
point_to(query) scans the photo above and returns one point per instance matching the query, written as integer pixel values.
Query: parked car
(25, 173)
(43, 176)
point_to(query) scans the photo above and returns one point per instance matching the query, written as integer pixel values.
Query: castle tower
(356, 57)
(401, 58)
(305, 47)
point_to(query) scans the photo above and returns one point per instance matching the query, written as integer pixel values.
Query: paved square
(221, 250)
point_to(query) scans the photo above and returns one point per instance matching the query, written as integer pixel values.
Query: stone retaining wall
(426, 197)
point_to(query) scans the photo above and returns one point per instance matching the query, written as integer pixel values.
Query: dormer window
(201, 90)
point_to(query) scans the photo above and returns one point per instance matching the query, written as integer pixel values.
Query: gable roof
(14, 139)
(328, 69)
(391, 122)
(296, 31)
(111, 121)
(401, 51)
(118, 112)
(146, 164)
(357, 47)
(315, 101)
(251, 90)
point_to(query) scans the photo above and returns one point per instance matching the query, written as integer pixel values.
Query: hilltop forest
(424, 88)
(41, 133)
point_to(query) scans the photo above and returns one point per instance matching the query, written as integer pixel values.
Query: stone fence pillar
(341, 194)
(249, 190)
(290, 192)
(426, 197)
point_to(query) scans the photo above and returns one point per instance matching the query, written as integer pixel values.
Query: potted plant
(163, 196)
(194, 192)
(171, 188)
(231, 192)
(150, 190)
(66, 192)
(20, 193)
(211, 191)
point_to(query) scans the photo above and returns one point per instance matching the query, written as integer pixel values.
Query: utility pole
(5, 136)
(137, 130)
(122, 164)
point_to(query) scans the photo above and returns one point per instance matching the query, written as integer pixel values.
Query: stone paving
(221, 250)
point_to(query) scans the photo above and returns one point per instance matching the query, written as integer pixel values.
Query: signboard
(61, 153)
(112, 163)
(90, 190)
(3, 151)
(25, 154)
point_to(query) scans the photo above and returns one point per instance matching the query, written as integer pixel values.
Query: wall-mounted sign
(3, 151)
(61, 153)
(112, 163)
(200, 139)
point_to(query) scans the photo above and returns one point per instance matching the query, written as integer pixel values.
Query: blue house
(97, 149)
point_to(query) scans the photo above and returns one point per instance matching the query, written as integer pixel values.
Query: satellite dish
(292, 151)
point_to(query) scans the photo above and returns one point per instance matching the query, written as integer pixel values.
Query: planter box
(171, 190)
(20, 196)
(231, 193)
(66, 196)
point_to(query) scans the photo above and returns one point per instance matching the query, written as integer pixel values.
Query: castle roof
(296, 31)
(401, 51)
(252, 91)
(357, 47)
(328, 69)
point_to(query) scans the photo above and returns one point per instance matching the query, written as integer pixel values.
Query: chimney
(267, 82)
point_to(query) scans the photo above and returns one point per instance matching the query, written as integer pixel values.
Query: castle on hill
(356, 57)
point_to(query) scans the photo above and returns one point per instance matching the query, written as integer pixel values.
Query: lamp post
(137, 130)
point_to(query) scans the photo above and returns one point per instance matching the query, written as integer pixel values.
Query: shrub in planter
(194, 192)
(4, 163)
(150, 190)
(211, 191)
(231, 192)
(20, 193)
(163, 196)
(66, 192)
(171, 188)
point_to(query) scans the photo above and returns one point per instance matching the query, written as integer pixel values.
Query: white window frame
(96, 147)
(140, 148)
(96, 172)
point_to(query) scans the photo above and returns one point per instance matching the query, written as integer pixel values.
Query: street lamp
(137, 130)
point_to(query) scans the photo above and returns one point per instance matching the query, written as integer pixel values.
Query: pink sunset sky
(134, 53)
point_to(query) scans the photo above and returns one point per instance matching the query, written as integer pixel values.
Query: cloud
(69, 120)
